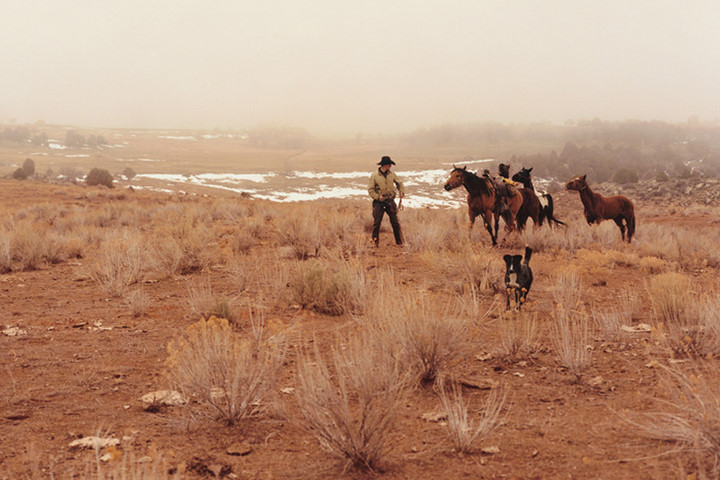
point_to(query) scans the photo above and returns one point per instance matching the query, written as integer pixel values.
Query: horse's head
(504, 170)
(523, 176)
(579, 184)
(457, 178)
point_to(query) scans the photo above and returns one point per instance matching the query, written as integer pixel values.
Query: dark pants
(379, 209)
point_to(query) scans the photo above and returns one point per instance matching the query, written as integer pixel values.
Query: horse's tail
(630, 222)
(549, 214)
(528, 254)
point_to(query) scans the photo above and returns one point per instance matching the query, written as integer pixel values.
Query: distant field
(182, 152)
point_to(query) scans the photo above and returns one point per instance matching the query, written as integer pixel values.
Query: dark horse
(599, 208)
(546, 201)
(480, 199)
(530, 207)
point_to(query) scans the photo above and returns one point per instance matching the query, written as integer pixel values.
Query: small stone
(158, 398)
(287, 390)
(14, 332)
(595, 381)
(94, 442)
(434, 416)
(239, 449)
(490, 450)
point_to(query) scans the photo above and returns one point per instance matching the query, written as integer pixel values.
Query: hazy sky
(335, 66)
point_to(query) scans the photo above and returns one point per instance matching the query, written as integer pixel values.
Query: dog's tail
(528, 254)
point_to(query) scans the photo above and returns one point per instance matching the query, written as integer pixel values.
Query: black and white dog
(518, 277)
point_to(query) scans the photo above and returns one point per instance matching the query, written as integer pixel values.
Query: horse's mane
(474, 181)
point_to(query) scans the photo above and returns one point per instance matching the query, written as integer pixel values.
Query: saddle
(504, 191)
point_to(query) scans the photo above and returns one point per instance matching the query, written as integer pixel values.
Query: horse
(599, 208)
(480, 199)
(546, 201)
(530, 206)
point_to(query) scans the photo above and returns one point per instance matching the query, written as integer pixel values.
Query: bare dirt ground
(85, 361)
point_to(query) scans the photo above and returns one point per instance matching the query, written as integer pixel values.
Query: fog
(335, 67)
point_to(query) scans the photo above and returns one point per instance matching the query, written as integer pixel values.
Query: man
(382, 190)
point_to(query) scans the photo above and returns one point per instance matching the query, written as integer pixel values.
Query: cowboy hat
(386, 161)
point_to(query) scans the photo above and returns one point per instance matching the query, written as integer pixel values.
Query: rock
(205, 466)
(490, 450)
(639, 328)
(434, 416)
(239, 449)
(14, 332)
(94, 442)
(595, 381)
(287, 390)
(159, 398)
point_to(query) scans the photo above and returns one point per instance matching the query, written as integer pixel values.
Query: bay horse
(546, 201)
(599, 208)
(480, 199)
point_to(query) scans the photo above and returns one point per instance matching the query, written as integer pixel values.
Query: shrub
(463, 431)
(29, 167)
(99, 176)
(570, 327)
(20, 174)
(129, 173)
(625, 175)
(689, 419)
(119, 263)
(424, 334)
(225, 375)
(518, 336)
(352, 411)
(5, 251)
(332, 287)
(138, 301)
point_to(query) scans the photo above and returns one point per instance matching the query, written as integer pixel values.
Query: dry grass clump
(570, 326)
(351, 405)
(688, 322)
(302, 233)
(519, 335)
(426, 336)
(5, 252)
(223, 374)
(460, 271)
(465, 432)
(690, 419)
(204, 303)
(431, 230)
(30, 246)
(670, 295)
(126, 466)
(653, 265)
(333, 287)
(119, 263)
(678, 313)
(688, 248)
(271, 279)
(138, 301)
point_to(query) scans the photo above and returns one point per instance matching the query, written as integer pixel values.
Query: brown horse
(529, 207)
(546, 201)
(480, 199)
(599, 208)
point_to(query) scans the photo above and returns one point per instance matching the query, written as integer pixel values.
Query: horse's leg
(471, 222)
(619, 223)
(496, 217)
(486, 221)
